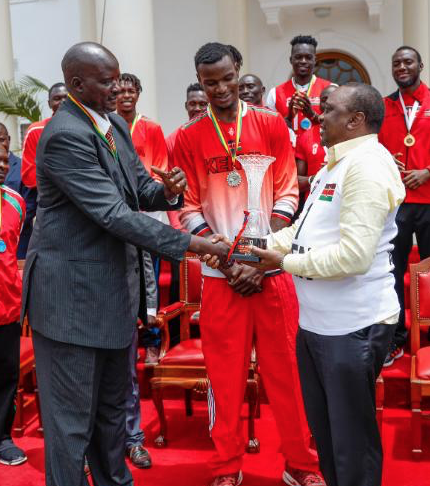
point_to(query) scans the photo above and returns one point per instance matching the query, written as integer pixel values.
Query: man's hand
(269, 259)
(175, 182)
(304, 105)
(399, 163)
(151, 321)
(245, 280)
(413, 179)
(217, 251)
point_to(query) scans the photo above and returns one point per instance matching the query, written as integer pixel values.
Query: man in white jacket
(339, 252)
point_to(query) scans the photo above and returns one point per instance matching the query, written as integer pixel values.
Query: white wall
(181, 27)
(42, 31)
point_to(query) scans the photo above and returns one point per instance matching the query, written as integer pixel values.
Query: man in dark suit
(83, 283)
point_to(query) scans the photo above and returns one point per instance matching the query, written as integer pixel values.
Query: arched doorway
(340, 68)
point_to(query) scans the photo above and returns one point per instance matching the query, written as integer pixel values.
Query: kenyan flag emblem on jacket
(328, 193)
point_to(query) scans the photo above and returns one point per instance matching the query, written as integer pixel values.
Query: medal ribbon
(409, 119)
(239, 235)
(133, 126)
(308, 92)
(221, 134)
(112, 148)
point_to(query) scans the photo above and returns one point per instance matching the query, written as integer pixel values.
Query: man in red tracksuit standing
(298, 99)
(405, 133)
(12, 214)
(238, 304)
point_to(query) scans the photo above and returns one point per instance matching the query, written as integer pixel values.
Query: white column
(87, 13)
(6, 67)
(128, 31)
(233, 27)
(416, 19)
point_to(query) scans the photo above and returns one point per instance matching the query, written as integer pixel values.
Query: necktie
(110, 139)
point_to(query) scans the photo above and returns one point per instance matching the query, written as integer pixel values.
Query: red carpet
(183, 463)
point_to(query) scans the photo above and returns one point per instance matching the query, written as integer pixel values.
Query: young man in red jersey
(12, 214)
(147, 135)
(195, 104)
(239, 304)
(310, 153)
(298, 99)
(405, 133)
(56, 96)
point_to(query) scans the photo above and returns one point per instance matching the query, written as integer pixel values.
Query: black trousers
(338, 375)
(82, 395)
(9, 376)
(411, 218)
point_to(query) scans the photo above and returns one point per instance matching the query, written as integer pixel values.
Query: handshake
(213, 251)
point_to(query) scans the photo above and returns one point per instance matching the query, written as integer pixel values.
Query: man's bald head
(84, 55)
(91, 74)
(251, 89)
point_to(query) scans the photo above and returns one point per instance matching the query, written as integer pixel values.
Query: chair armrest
(165, 315)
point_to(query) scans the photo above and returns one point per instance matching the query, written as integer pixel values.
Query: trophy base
(243, 252)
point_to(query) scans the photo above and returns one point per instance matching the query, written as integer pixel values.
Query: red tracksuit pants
(228, 323)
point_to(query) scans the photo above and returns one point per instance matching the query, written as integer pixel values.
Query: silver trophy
(256, 224)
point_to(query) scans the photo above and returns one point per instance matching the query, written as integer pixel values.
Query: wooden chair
(27, 393)
(420, 366)
(183, 365)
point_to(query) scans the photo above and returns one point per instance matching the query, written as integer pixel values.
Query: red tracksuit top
(148, 140)
(394, 130)
(28, 165)
(285, 91)
(210, 203)
(13, 214)
(310, 150)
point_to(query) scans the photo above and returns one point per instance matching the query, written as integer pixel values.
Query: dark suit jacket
(82, 281)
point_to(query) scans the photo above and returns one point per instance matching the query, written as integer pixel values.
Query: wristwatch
(281, 264)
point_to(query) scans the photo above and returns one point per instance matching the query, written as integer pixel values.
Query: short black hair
(194, 87)
(368, 100)
(55, 86)
(409, 48)
(133, 79)
(304, 39)
(237, 56)
(211, 53)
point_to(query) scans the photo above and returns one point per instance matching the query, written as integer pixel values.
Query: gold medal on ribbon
(234, 179)
(409, 140)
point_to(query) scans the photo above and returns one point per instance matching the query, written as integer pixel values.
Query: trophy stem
(255, 167)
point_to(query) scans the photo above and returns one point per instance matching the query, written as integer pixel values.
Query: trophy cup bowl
(257, 225)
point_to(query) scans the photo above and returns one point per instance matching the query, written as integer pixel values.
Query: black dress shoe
(140, 457)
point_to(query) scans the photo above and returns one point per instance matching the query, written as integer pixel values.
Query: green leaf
(18, 99)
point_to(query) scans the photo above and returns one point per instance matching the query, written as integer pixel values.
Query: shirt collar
(338, 151)
(102, 122)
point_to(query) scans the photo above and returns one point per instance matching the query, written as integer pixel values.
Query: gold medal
(409, 140)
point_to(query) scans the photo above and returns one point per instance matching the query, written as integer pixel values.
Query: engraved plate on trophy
(257, 225)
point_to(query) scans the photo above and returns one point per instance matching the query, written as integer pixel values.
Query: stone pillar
(126, 28)
(87, 13)
(6, 67)
(232, 27)
(416, 20)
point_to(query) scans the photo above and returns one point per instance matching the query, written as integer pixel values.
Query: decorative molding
(273, 9)
(14, 2)
(273, 19)
(374, 10)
